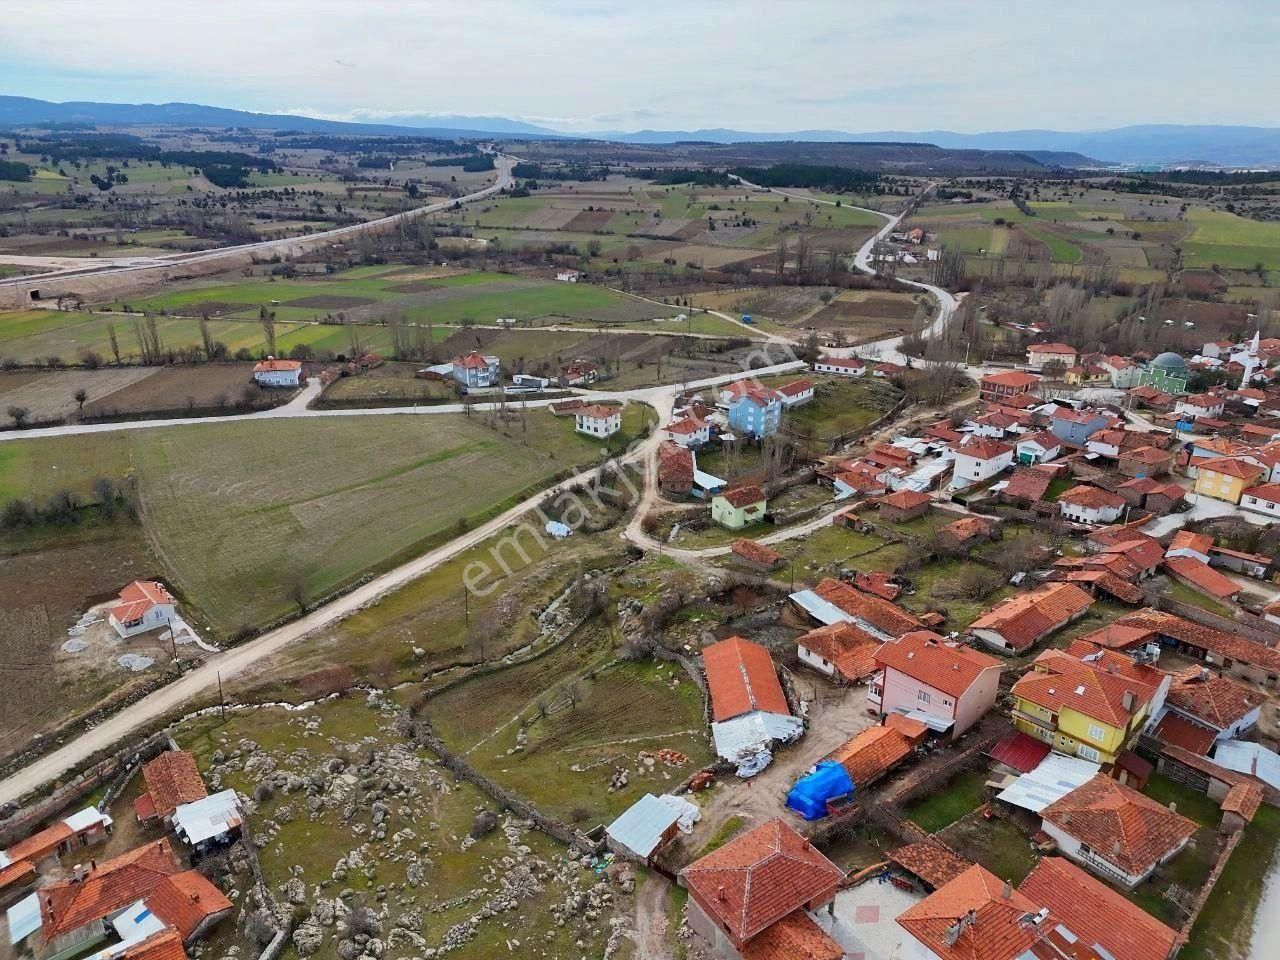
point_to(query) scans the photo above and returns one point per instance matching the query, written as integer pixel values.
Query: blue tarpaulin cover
(809, 796)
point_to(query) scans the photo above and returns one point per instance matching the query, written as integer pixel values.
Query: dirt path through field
(652, 921)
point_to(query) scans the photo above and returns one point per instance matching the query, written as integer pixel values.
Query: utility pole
(466, 605)
(222, 700)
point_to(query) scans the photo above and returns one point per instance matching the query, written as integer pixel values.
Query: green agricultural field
(245, 515)
(969, 239)
(1231, 241)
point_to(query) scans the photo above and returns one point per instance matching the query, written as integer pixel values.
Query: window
(1088, 753)
(922, 696)
(1096, 732)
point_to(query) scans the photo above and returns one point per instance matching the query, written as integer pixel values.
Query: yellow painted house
(1088, 710)
(1226, 478)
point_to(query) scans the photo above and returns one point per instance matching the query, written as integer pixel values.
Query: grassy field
(947, 805)
(1230, 241)
(455, 878)
(244, 515)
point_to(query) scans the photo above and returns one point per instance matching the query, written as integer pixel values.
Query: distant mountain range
(1144, 145)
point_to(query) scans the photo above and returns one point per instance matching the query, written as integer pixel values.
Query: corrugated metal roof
(1050, 781)
(1250, 758)
(818, 608)
(641, 826)
(207, 817)
(936, 724)
(24, 918)
(744, 735)
(1019, 751)
(86, 818)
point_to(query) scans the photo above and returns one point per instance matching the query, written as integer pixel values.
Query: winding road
(117, 728)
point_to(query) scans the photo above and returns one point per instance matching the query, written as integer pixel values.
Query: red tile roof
(686, 426)
(185, 900)
(849, 363)
(1174, 730)
(759, 878)
(982, 449)
(1265, 491)
(273, 365)
(20, 871)
(849, 648)
(1095, 913)
(795, 388)
(1061, 348)
(165, 945)
(1143, 551)
(1200, 574)
(951, 669)
(1206, 638)
(1028, 483)
(139, 597)
(1233, 467)
(1243, 799)
(113, 884)
(744, 496)
(472, 361)
(884, 616)
(966, 528)
(1120, 825)
(1011, 378)
(905, 499)
(757, 553)
(1186, 540)
(1216, 700)
(996, 932)
(871, 754)
(913, 730)
(675, 464)
(741, 677)
(1019, 751)
(597, 411)
(173, 779)
(1091, 497)
(1024, 619)
(39, 845)
(1059, 680)
(877, 583)
(931, 860)
(1117, 637)
(794, 937)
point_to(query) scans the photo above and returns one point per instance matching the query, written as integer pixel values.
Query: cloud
(587, 64)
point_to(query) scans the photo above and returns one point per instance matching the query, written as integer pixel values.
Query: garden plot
(52, 395)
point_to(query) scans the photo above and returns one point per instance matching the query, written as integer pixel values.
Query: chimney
(1173, 806)
(1116, 848)
(953, 933)
(720, 893)
(806, 843)
(1204, 674)
(93, 863)
(1006, 892)
(1128, 700)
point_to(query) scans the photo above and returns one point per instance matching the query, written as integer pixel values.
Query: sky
(588, 65)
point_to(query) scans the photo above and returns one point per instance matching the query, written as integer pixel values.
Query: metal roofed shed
(827, 781)
(24, 918)
(86, 818)
(936, 724)
(1251, 758)
(645, 826)
(207, 818)
(822, 610)
(746, 740)
(1051, 780)
(1019, 752)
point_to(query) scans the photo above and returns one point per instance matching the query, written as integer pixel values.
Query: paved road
(120, 726)
(97, 267)
(886, 349)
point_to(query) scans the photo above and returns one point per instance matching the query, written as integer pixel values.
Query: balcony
(1051, 724)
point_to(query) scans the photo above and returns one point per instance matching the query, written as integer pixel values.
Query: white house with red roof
(1200, 405)
(277, 373)
(755, 897)
(796, 393)
(1086, 504)
(688, 432)
(144, 605)
(978, 459)
(1041, 354)
(597, 420)
(841, 366)
(580, 373)
(1263, 499)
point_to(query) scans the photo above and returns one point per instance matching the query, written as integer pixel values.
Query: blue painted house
(1077, 426)
(756, 414)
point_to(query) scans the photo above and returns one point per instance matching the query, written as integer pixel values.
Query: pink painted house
(948, 687)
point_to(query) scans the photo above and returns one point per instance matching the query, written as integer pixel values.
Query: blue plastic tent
(809, 796)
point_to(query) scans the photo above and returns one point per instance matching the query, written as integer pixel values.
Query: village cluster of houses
(1069, 764)
(146, 903)
(478, 371)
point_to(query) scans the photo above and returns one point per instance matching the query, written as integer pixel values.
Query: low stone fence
(556, 829)
(1184, 932)
(23, 821)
